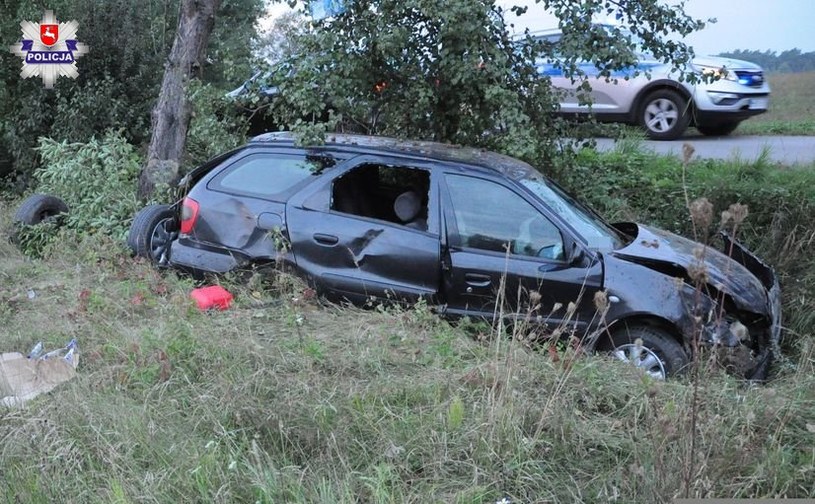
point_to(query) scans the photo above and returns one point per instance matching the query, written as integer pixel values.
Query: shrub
(96, 179)
(215, 126)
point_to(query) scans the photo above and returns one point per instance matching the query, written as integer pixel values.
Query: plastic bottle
(36, 351)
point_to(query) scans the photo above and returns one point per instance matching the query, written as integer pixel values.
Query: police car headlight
(716, 72)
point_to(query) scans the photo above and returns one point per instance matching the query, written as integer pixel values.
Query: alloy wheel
(661, 115)
(161, 241)
(641, 357)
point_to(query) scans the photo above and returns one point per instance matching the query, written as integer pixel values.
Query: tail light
(189, 214)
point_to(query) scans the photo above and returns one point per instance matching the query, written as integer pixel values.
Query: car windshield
(596, 234)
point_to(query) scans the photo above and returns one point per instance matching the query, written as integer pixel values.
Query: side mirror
(576, 254)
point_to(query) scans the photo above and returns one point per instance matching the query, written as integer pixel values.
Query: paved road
(787, 150)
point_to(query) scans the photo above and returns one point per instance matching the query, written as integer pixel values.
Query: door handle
(477, 279)
(326, 239)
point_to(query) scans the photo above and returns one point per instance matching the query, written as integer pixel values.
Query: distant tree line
(790, 61)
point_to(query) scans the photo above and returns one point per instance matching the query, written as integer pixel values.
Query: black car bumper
(198, 260)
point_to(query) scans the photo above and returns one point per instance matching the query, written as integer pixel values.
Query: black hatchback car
(364, 218)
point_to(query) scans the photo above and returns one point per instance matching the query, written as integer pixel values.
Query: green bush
(215, 126)
(96, 179)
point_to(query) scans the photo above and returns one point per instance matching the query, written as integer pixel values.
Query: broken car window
(391, 193)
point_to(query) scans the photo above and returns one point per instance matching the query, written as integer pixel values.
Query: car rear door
(361, 254)
(504, 255)
(612, 95)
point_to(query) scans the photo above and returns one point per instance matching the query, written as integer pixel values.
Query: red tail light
(189, 214)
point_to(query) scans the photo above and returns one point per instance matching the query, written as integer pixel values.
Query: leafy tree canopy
(118, 80)
(450, 71)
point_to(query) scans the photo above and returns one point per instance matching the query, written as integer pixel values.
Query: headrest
(407, 206)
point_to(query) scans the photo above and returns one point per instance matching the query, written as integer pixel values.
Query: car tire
(650, 348)
(39, 208)
(664, 115)
(36, 209)
(152, 233)
(722, 129)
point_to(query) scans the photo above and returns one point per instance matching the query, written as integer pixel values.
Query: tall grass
(282, 399)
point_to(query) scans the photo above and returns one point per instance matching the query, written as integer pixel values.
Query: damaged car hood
(668, 252)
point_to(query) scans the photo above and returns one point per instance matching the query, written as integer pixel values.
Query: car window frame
(452, 238)
(212, 184)
(318, 196)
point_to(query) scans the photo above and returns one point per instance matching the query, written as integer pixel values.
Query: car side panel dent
(360, 250)
(349, 257)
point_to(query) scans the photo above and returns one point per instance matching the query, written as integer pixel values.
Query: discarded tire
(36, 209)
(39, 208)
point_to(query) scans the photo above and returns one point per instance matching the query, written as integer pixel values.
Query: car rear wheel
(152, 233)
(651, 349)
(721, 129)
(664, 115)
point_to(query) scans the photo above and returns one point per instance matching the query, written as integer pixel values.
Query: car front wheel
(664, 115)
(152, 233)
(651, 349)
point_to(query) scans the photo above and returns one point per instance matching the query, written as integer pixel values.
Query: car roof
(505, 165)
(557, 31)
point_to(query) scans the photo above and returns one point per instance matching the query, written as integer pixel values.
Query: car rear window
(265, 175)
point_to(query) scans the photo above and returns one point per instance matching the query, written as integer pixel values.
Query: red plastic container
(212, 297)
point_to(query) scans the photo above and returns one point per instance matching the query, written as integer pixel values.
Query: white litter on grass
(23, 378)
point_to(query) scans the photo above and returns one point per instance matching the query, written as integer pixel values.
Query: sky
(776, 25)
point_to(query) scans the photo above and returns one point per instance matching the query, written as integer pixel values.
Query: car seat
(408, 208)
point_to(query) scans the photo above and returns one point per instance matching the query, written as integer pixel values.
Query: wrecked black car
(474, 234)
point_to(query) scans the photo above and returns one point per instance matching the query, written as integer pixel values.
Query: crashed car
(362, 218)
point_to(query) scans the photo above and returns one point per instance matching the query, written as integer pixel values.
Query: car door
(612, 95)
(505, 254)
(355, 249)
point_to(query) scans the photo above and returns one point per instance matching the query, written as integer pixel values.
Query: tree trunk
(171, 116)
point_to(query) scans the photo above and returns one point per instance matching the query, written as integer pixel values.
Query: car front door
(347, 236)
(505, 256)
(612, 95)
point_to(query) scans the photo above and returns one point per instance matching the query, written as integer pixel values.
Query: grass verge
(281, 399)
(792, 107)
